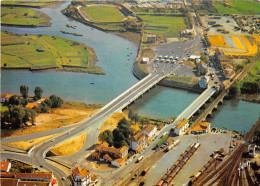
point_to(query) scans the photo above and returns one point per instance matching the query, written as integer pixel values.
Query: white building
(145, 59)
(81, 177)
(181, 127)
(138, 142)
(150, 131)
(203, 83)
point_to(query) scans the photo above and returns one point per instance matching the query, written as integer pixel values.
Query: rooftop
(83, 172)
(182, 123)
(137, 137)
(4, 166)
(200, 126)
(149, 128)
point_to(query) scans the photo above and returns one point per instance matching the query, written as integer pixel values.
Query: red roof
(4, 166)
(82, 172)
(7, 96)
(31, 105)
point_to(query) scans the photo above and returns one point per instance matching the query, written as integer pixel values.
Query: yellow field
(217, 40)
(238, 42)
(251, 50)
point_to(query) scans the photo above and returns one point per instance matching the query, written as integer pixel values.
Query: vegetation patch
(24, 17)
(166, 26)
(27, 144)
(35, 3)
(70, 146)
(237, 7)
(103, 13)
(39, 52)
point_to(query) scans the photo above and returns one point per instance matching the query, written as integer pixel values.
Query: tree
(45, 107)
(30, 115)
(13, 100)
(56, 101)
(24, 89)
(38, 92)
(130, 113)
(18, 114)
(24, 102)
(234, 90)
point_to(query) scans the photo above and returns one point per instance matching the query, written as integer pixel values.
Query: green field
(238, 7)
(41, 51)
(34, 3)
(3, 108)
(167, 26)
(23, 16)
(103, 13)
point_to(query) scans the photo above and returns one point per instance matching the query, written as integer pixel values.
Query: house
(145, 59)
(181, 127)
(137, 142)
(199, 128)
(32, 105)
(194, 57)
(151, 38)
(40, 100)
(37, 178)
(202, 67)
(112, 151)
(5, 166)
(204, 80)
(229, 73)
(251, 150)
(81, 176)
(118, 162)
(5, 98)
(150, 131)
(169, 140)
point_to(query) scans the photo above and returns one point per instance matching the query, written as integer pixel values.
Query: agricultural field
(166, 26)
(24, 17)
(42, 51)
(245, 7)
(235, 45)
(103, 13)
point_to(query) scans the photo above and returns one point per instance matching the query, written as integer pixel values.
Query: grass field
(103, 13)
(40, 51)
(167, 26)
(35, 3)
(238, 7)
(23, 16)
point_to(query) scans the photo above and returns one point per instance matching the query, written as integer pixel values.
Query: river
(113, 55)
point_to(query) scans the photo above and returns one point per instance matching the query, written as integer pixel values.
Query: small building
(151, 38)
(194, 57)
(202, 67)
(169, 140)
(32, 105)
(5, 98)
(145, 59)
(204, 80)
(137, 142)
(181, 127)
(229, 73)
(81, 176)
(118, 162)
(200, 128)
(112, 151)
(5, 166)
(251, 150)
(40, 100)
(150, 131)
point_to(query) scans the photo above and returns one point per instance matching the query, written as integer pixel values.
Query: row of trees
(24, 89)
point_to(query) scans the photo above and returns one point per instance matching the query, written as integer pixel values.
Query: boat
(92, 83)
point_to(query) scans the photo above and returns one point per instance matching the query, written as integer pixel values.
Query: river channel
(116, 56)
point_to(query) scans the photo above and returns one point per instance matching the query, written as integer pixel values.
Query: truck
(140, 159)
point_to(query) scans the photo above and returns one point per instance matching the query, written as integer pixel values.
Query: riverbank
(252, 98)
(43, 52)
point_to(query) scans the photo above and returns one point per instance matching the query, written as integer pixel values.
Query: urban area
(130, 92)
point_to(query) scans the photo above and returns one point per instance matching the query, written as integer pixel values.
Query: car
(63, 178)
(53, 140)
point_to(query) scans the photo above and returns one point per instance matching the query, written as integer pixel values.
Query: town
(79, 75)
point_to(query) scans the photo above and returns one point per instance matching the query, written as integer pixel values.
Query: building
(27, 179)
(81, 176)
(204, 81)
(202, 67)
(145, 59)
(5, 166)
(5, 98)
(32, 105)
(200, 128)
(181, 127)
(118, 162)
(229, 73)
(150, 131)
(112, 151)
(251, 150)
(169, 140)
(110, 154)
(151, 38)
(137, 142)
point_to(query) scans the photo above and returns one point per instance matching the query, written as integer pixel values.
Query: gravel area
(209, 143)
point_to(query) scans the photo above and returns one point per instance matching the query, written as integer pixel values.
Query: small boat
(92, 83)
